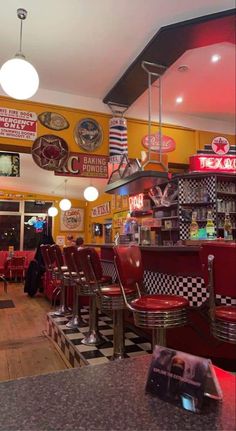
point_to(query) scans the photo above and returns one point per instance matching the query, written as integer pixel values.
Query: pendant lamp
(91, 193)
(65, 204)
(52, 211)
(18, 78)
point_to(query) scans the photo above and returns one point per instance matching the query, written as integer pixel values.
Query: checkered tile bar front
(192, 288)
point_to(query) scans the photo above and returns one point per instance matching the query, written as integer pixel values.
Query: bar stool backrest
(90, 263)
(56, 256)
(129, 265)
(224, 267)
(45, 251)
(68, 254)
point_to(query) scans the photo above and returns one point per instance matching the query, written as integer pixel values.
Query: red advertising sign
(85, 165)
(18, 124)
(101, 210)
(212, 163)
(168, 143)
(136, 202)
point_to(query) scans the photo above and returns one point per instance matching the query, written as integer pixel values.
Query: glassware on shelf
(169, 195)
(228, 234)
(155, 193)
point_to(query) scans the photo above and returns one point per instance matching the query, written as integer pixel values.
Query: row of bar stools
(108, 298)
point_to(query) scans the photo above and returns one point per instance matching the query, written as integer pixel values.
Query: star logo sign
(220, 145)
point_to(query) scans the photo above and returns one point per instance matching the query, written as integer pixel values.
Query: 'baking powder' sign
(85, 165)
(18, 124)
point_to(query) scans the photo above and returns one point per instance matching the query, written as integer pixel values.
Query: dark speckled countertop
(105, 397)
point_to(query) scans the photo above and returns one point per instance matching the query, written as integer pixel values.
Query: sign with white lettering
(85, 165)
(101, 210)
(136, 202)
(212, 163)
(18, 124)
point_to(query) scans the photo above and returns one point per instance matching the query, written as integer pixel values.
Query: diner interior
(137, 277)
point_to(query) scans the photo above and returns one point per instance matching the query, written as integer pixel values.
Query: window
(23, 229)
(10, 231)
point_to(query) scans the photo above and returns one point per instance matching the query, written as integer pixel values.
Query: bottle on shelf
(228, 235)
(194, 228)
(210, 226)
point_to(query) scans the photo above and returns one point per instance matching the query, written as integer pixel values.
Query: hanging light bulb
(91, 193)
(52, 211)
(65, 204)
(18, 78)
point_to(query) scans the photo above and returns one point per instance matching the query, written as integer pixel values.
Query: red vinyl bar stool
(88, 287)
(109, 298)
(219, 271)
(76, 321)
(50, 265)
(156, 312)
(61, 272)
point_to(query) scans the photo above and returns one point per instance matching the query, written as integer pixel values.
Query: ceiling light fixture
(91, 193)
(65, 204)
(179, 99)
(52, 211)
(215, 58)
(18, 78)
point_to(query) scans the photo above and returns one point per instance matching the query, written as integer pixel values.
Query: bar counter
(106, 397)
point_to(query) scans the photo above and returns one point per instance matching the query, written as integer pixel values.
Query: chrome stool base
(76, 322)
(62, 311)
(93, 338)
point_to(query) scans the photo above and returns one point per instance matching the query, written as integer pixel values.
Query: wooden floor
(25, 349)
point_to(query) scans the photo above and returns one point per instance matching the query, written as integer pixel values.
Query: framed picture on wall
(72, 220)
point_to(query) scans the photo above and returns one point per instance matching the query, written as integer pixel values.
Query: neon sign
(213, 163)
(136, 202)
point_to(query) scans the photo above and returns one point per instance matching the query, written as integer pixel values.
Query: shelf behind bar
(137, 183)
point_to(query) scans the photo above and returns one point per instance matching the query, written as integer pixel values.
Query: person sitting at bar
(79, 242)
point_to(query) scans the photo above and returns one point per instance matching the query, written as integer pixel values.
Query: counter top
(108, 397)
(172, 248)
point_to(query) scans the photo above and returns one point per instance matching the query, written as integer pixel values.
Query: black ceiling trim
(168, 44)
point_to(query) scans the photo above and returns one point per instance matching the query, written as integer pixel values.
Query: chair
(76, 320)
(50, 265)
(155, 312)
(16, 267)
(60, 270)
(89, 288)
(219, 272)
(109, 297)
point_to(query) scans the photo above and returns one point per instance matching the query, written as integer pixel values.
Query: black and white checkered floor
(78, 354)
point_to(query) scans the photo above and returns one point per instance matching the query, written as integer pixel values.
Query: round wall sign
(88, 134)
(50, 152)
(220, 145)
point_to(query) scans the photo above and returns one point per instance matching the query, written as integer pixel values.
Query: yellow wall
(187, 142)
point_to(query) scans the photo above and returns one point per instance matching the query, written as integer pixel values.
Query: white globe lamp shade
(52, 211)
(90, 193)
(19, 79)
(65, 204)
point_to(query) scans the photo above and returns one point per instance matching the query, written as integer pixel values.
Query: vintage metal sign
(220, 145)
(101, 210)
(212, 163)
(18, 124)
(9, 164)
(85, 165)
(153, 141)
